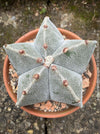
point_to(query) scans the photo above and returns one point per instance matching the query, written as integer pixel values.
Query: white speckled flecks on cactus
(50, 68)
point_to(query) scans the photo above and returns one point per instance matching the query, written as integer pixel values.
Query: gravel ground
(14, 22)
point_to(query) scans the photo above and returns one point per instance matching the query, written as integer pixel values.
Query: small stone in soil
(9, 109)
(85, 83)
(30, 131)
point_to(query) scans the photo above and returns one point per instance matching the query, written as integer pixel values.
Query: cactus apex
(46, 65)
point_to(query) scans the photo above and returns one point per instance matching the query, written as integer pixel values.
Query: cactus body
(50, 68)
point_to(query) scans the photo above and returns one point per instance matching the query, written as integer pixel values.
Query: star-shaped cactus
(50, 68)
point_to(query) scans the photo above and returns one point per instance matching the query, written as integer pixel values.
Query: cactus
(50, 68)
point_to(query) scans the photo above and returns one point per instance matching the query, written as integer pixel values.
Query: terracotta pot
(29, 36)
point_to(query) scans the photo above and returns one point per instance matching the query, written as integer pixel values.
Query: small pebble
(97, 112)
(49, 110)
(45, 110)
(64, 36)
(36, 126)
(10, 131)
(89, 73)
(55, 110)
(90, 121)
(41, 119)
(85, 83)
(36, 14)
(37, 105)
(94, 104)
(0, 110)
(10, 70)
(30, 131)
(9, 109)
(79, 130)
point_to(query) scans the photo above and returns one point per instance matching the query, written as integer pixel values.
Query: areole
(29, 36)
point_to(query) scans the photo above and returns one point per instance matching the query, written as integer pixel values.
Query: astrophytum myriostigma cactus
(50, 68)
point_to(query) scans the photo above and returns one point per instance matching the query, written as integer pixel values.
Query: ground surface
(18, 18)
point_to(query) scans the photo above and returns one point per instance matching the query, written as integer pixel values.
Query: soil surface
(18, 18)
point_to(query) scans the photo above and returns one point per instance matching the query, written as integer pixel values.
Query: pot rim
(31, 35)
